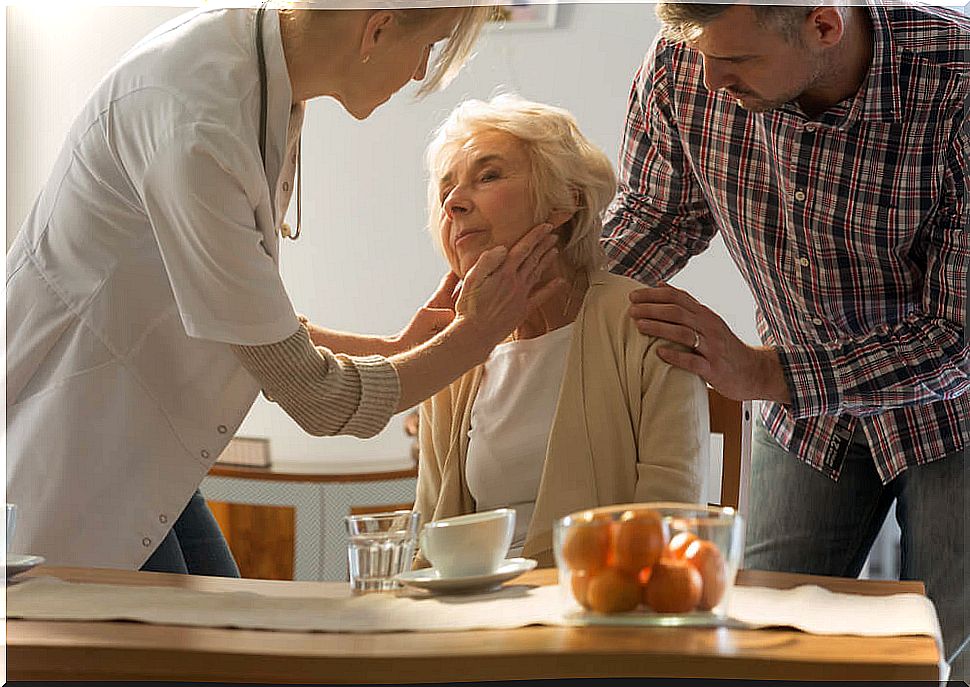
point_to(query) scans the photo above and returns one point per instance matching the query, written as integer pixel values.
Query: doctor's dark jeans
(801, 521)
(194, 545)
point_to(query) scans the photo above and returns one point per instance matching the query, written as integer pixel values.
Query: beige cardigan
(628, 427)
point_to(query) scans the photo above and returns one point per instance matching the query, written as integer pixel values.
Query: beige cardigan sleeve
(674, 438)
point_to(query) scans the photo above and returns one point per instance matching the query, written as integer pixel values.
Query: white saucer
(431, 579)
(18, 563)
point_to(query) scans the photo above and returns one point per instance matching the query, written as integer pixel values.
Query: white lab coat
(151, 248)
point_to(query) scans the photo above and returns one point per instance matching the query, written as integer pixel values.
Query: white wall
(364, 262)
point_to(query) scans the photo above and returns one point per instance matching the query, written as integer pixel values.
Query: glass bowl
(667, 564)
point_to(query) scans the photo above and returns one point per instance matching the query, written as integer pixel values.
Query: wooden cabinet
(262, 538)
(286, 522)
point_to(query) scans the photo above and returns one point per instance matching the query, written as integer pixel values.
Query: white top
(510, 422)
(152, 245)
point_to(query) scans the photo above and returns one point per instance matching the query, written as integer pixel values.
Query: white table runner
(808, 608)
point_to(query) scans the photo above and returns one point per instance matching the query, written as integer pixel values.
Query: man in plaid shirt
(830, 147)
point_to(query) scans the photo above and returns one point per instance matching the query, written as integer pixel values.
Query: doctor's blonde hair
(457, 48)
(568, 173)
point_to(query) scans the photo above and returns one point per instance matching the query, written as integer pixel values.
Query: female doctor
(145, 308)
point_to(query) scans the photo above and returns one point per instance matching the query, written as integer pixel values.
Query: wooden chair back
(732, 420)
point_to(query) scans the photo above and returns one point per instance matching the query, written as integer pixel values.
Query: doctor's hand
(720, 358)
(431, 318)
(504, 284)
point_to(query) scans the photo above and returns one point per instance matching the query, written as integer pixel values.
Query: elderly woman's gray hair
(568, 172)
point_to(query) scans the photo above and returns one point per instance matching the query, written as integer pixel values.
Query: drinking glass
(380, 546)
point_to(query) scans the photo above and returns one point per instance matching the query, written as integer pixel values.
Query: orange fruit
(638, 540)
(706, 558)
(675, 587)
(612, 591)
(679, 543)
(587, 545)
(643, 579)
(579, 583)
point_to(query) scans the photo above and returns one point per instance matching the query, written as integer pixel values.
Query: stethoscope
(261, 58)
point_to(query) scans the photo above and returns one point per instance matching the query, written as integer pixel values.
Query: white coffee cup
(468, 545)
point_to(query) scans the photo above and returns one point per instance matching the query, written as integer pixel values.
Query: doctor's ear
(374, 27)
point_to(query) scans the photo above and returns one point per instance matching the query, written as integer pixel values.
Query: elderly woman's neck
(560, 309)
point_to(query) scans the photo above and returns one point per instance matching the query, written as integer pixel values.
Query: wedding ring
(697, 339)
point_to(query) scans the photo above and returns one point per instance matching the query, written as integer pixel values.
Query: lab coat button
(204, 454)
(146, 542)
(286, 186)
(222, 429)
(163, 518)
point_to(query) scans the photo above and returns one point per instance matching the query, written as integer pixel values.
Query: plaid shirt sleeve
(923, 358)
(659, 218)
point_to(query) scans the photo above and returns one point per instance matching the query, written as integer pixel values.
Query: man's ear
(826, 26)
(374, 28)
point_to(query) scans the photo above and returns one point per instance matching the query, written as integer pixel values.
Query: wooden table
(40, 650)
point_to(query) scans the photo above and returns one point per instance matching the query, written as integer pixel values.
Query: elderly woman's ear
(559, 217)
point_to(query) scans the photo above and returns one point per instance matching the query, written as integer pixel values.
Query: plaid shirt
(851, 230)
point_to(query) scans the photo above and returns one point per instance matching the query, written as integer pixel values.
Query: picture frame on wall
(524, 15)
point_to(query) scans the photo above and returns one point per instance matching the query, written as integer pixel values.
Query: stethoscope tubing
(261, 62)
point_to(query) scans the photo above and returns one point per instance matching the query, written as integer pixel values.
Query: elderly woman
(576, 409)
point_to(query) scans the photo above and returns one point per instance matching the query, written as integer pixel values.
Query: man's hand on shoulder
(720, 358)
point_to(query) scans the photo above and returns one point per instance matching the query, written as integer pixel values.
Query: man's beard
(754, 103)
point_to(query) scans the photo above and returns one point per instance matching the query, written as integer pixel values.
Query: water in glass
(380, 546)
(376, 558)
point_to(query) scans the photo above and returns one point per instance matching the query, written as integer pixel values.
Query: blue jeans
(194, 545)
(801, 521)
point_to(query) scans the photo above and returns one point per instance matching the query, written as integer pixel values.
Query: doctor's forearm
(328, 394)
(350, 344)
(325, 393)
(430, 367)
